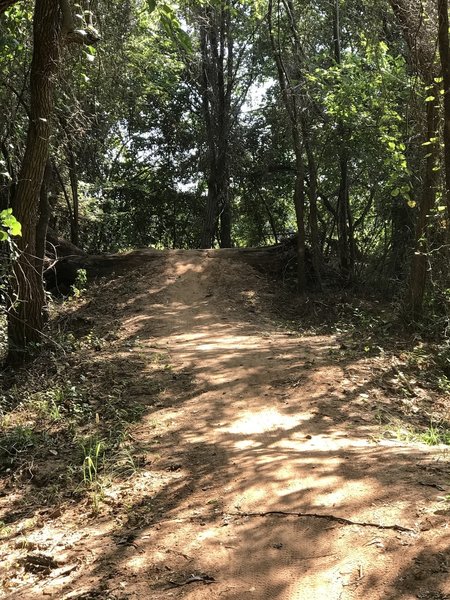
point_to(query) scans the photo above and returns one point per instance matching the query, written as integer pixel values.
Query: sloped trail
(263, 477)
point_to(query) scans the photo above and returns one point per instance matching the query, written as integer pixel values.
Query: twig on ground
(207, 579)
(342, 520)
(432, 485)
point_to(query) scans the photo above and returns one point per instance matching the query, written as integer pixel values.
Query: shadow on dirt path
(262, 473)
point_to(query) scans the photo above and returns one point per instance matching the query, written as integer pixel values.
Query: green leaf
(15, 228)
(10, 223)
(430, 99)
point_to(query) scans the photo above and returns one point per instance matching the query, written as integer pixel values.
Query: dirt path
(261, 473)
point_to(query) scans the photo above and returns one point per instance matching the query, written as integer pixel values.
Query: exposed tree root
(342, 520)
(207, 579)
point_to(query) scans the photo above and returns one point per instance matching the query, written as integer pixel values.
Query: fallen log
(62, 274)
(271, 259)
(58, 247)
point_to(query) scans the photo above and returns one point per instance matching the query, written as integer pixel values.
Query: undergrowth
(65, 420)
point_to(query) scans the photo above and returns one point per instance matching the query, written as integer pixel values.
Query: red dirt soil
(263, 475)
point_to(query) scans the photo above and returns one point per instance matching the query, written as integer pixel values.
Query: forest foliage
(232, 123)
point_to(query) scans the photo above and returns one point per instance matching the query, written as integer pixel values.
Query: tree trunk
(27, 314)
(216, 85)
(444, 53)
(342, 214)
(291, 104)
(299, 203)
(317, 258)
(74, 223)
(44, 217)
(402, 238)
(225, 225)
(418, 274)
(344, 217)
(211, 212)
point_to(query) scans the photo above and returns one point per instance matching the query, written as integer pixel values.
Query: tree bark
(343, 206)
(75, 221)
(27, 314)
(317, 258)
(419, 264)
(444, 53)
(44, 217)
(291, 104)
(216, 84)
(299, 204)
(344, 216)
(225, 226)
(418, 20)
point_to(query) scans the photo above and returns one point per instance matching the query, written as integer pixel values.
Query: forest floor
(186, 440)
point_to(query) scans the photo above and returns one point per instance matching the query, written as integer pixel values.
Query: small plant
(60, 400)
(91, 340)
(5, 530)
(93, 460)
(443, 384)
(17, 440)
(125, 464)
(47, 407)
(79, 287)
(435, 436)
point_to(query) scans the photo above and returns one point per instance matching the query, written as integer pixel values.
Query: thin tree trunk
(299, 203)
(344, 218)
(225, 226)
(317, 258)
(418, 274)
(419, 31)
(269, 213)
(27, 314)
(7, 193)
(211, 211)
(74, 224)
(217, 81)
(402, 238)
(65, 194)
(290, 103)
(444, 52)
(44, 217)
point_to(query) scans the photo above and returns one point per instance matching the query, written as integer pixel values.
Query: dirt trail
(251, 420)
